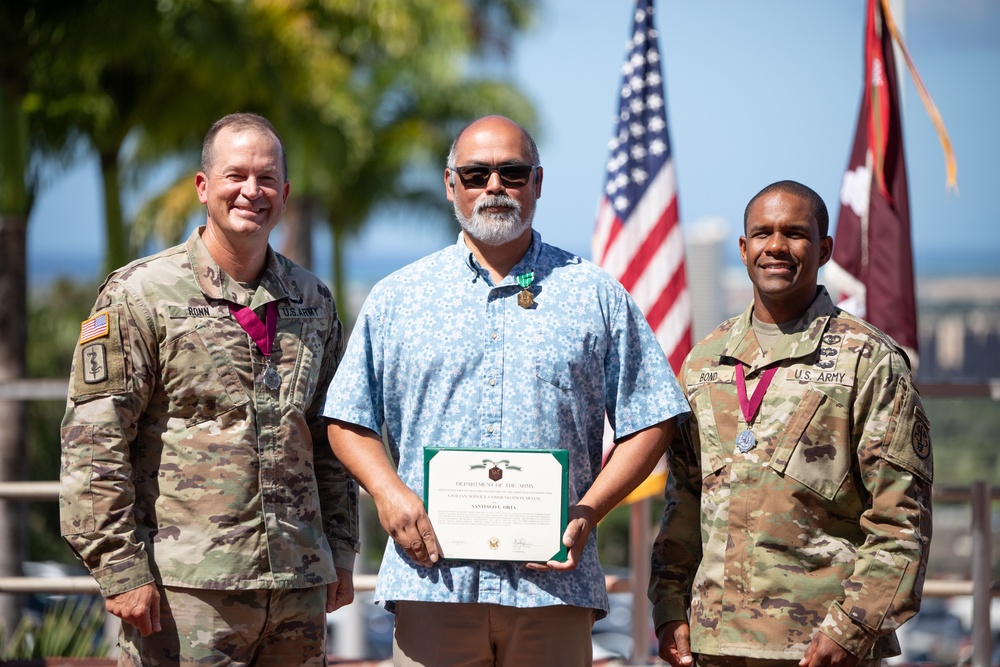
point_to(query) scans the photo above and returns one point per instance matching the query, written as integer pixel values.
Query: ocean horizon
(44, 268)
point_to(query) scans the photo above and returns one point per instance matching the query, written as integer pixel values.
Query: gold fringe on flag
(951, 165)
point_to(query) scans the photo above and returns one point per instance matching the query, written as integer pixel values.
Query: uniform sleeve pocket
(909, 435)
(99, 361)
(76, 501)
(881, 579)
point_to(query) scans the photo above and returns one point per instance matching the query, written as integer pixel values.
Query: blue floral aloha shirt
(443, 358)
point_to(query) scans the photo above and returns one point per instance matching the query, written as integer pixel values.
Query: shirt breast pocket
(815, 448)
(563, 359)
(712, 451)
(305, 346)
(198, 377)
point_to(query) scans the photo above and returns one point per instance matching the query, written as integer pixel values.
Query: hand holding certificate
(498, 504)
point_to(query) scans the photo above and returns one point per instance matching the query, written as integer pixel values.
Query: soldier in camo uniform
(198, 485)
(797, 525)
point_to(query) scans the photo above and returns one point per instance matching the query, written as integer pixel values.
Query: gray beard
(493, 229)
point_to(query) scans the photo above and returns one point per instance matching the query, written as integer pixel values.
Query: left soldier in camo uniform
(798, 514)
(198, 485)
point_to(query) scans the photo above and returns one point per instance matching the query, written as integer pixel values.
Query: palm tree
(404, 167)
(369, 94)
(366, 92)
(29, 37)
(395, 115)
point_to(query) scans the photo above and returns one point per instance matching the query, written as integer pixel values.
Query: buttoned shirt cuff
(123, 576)
(343, 556)
(851, 636)
(669, 610)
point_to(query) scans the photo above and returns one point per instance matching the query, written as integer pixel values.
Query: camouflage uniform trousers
(706, 660)
(258, 627)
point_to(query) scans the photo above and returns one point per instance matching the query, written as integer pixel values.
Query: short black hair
(795, 188)
(240, 122)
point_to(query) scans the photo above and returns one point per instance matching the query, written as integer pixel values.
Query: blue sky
(756, 92)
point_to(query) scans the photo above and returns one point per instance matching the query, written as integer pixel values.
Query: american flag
(95, 327)
(638, 235)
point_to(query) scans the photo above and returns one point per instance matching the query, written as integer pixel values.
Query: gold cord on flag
(951, 165)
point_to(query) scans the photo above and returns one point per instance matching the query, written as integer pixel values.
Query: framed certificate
(498, 504)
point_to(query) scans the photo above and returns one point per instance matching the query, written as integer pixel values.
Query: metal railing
(980, 497)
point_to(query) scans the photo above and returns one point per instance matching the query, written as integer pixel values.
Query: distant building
(705, 263)
(959, 328)
(958, 317)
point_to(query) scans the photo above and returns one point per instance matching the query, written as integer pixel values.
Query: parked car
(37, 603)
(935, 635)
(376, 625)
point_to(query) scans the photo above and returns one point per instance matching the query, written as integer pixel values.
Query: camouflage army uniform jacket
(179, 465)
(826, 523)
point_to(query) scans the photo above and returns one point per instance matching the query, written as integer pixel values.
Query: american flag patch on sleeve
(95, 327)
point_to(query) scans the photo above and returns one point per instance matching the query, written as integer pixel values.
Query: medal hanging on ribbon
(262, 334)
(525, 298)
(271, 378)
(746, 440)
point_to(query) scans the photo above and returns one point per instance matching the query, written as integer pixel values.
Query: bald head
(491, 126)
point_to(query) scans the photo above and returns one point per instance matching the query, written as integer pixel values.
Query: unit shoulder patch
(94, 365)
(921, 435)
(99, 367)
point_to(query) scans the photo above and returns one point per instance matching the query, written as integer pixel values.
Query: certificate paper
(498, 504)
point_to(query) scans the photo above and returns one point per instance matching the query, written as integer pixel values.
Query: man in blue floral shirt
(499, 341)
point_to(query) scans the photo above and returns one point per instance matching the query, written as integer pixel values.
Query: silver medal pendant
(271, 378)
(746, 441)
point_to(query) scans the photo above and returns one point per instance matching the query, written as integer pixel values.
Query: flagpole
(899, 12)
(638, 240)
(639, 566)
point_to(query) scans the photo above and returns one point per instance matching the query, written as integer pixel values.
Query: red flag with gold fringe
(872, 263)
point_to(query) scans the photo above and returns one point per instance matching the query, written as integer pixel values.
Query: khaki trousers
(440, 634)
(705, 660)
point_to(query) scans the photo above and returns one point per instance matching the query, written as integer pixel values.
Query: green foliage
(613, 542)
(71, 627)
(373, 537)
(359, 88)
(964, 432)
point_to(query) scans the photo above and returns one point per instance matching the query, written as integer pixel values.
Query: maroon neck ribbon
(750, 407)
(261, 332)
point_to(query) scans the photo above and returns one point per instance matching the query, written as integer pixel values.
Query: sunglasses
(511, 175)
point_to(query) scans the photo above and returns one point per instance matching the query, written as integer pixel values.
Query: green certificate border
(560, 455)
